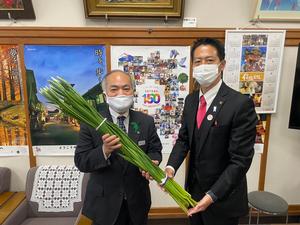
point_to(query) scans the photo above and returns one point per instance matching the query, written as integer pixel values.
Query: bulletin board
(107, 37)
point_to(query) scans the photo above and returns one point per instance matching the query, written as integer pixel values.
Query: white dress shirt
(211, 94)
(115, 115)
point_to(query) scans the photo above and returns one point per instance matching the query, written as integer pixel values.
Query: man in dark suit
(218, 129)
(117, 192)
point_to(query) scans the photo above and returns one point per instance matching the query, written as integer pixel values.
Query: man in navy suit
(218, 129)
(117, 192)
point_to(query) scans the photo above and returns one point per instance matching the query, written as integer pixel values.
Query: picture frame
(133, 8)
(16, 9)
(274, 10)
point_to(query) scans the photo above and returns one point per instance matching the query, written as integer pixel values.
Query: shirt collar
(115, 115)
(212, 92)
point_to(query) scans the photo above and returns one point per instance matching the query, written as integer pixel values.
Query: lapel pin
(216, 123)
(215, 109)
(221, 102)
(210, 117)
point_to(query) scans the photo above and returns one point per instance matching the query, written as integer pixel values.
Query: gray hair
(103, 82)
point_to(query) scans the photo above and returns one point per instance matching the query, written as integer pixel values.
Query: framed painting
(16, 9)
(133, 8)
(13, 124)
(277, 10)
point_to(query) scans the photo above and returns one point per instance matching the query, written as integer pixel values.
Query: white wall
(284, 148)
(210, 13)
(19, 167)
(253, 173)
(284, 152)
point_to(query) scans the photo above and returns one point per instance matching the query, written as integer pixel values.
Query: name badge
(140, 143)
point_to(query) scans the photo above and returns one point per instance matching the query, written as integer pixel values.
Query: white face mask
(205, 74)
(120, 103)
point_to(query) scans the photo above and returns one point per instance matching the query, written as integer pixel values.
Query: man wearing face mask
(218, 130)
(117, 192)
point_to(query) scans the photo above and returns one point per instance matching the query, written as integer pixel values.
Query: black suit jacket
(112, 179)
(225, 149)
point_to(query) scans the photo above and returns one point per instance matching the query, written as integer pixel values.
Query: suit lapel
(132, 132)
(193, 111)
(133, 127)
(104, 111)
(211, 114)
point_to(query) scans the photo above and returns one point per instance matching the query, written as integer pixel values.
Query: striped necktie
(121, 124)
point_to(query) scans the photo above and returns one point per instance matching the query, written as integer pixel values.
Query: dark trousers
(207, 217)
(123, 217)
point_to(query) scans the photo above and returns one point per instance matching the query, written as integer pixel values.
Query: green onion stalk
(64, 96)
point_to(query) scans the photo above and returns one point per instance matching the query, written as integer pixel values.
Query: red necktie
(201, 111)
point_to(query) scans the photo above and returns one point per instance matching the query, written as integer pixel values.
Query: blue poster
(83, 66)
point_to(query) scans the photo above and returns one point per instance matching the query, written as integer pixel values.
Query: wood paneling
(264, 157)
(162, 36)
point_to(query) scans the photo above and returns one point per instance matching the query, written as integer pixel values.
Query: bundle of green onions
(62, 94)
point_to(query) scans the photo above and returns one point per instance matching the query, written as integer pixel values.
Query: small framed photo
(133, 8)
(16, 9)
(277, 10)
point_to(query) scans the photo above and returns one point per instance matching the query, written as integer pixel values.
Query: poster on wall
(13, 136)
(253, 65)
(162, 82)
(83, 66)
